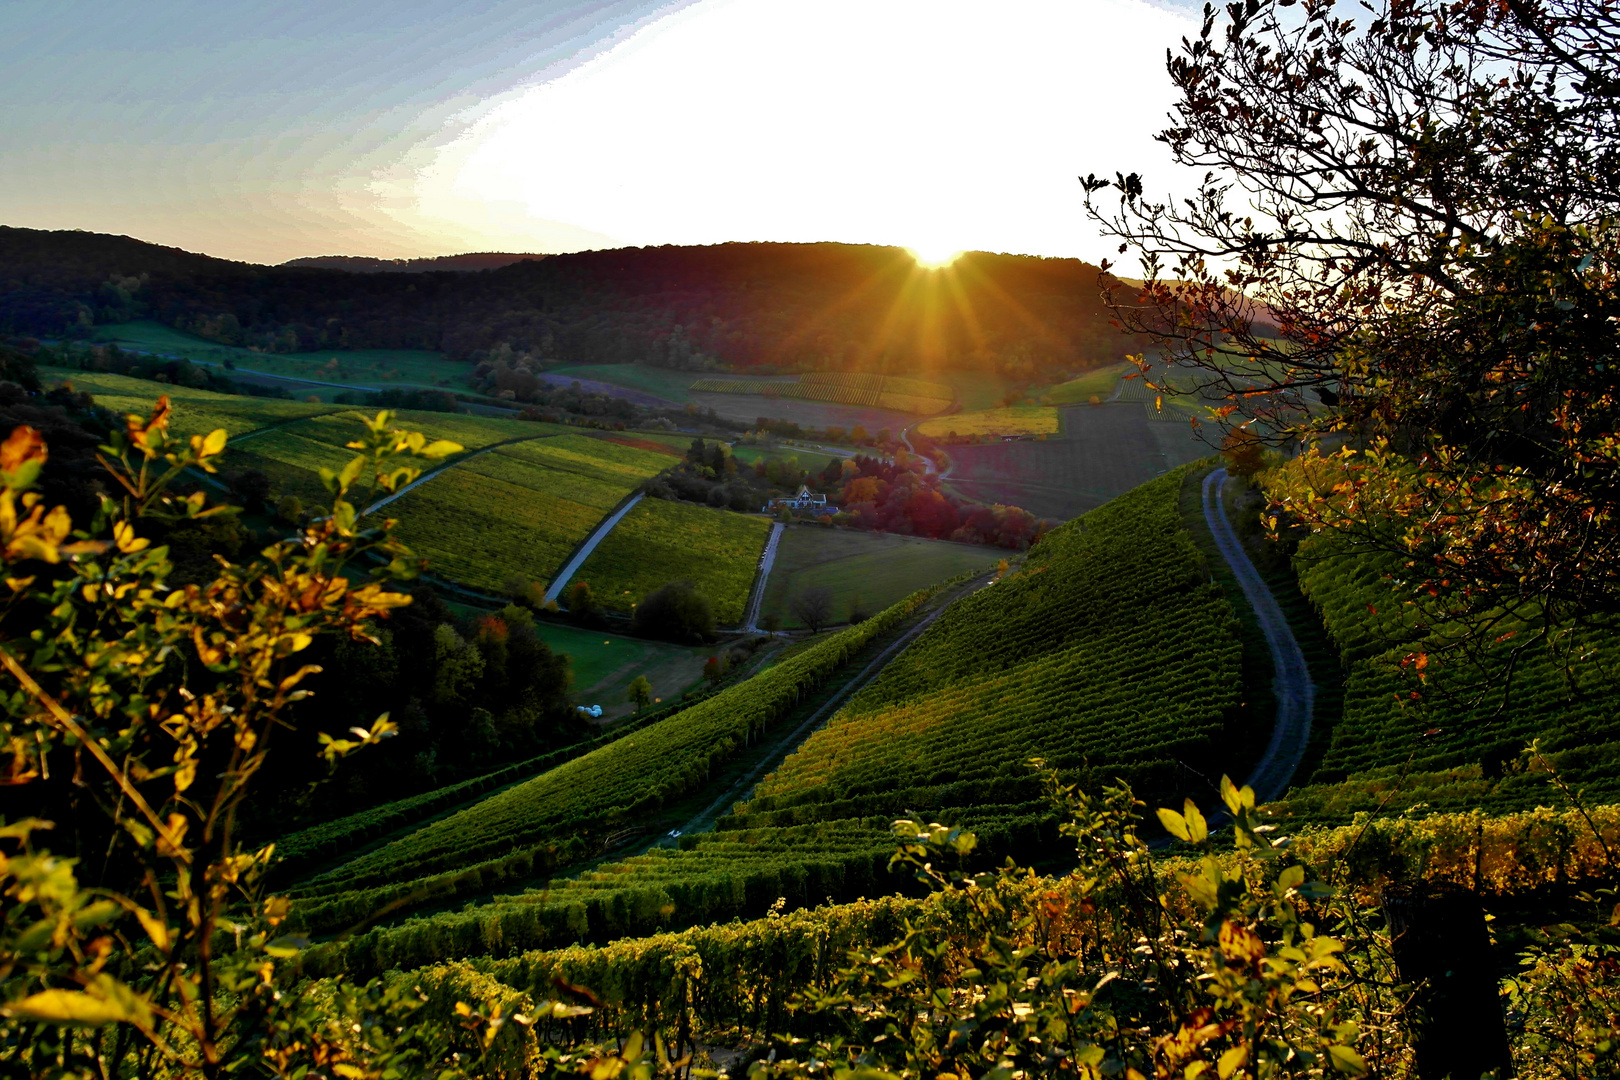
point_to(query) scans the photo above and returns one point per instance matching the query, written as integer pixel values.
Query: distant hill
(361, 264)
(761, 306)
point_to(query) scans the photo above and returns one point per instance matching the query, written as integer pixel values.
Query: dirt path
(766, 561)
(571, 567)
(1296, 693)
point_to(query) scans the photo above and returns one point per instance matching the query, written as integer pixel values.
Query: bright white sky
(935, 124)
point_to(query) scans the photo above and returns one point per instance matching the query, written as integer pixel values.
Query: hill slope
(787, 306)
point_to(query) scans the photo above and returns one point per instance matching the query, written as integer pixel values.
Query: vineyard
(196, 412)
(1447, 738)
(844, 388)
(1110, 655)
(659, 541)
(728, 980)
(572, 811)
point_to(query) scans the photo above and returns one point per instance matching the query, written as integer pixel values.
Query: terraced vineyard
(844, 388)
(571, 811)
(1455, 745)
(1110, 655)
(660, 541)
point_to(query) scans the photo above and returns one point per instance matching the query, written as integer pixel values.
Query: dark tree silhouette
(813, 607)
(1405, 238)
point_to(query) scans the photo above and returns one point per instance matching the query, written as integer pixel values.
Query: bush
(676, 612)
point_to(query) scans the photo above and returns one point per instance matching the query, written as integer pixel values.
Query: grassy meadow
(876, 569)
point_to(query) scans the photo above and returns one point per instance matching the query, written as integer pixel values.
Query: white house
(804, 500)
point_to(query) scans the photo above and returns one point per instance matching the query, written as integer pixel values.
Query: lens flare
(934, 256)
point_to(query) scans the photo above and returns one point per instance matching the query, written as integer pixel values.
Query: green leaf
(1346, 1060)
(1174, 824)
(34, 938)
(96, 914)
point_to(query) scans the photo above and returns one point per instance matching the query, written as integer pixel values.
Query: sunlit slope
(1110, 654)
(1451, 735)
(519, 510)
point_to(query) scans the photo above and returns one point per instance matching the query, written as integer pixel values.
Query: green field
(808, 460)
(661, 382)
(353, 367)
(1007, 420)
(1099, 384)
(196, 412)
(975, 390)
(605, 663)
(875, 568)
(661, 541)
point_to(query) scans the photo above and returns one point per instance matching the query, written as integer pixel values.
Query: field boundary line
(1292, 685)
(767, 559)
(583, 552)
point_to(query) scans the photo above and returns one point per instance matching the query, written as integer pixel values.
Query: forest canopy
(765, 306)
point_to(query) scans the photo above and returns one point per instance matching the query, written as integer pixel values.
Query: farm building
(804, 500)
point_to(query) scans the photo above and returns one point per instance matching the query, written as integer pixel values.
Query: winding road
(1295, 692)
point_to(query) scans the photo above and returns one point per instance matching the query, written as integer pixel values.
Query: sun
(934, 256)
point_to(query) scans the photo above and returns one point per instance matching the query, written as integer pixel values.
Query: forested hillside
(760, 306)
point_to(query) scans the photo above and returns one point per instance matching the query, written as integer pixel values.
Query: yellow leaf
(154, 928)
(215, 441)
(1232, 1061)
(440, 448)
(68, 1007)
(352, 1072)
(1174, 824)
(1197, 828)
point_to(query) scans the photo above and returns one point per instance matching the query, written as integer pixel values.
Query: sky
(266, 131)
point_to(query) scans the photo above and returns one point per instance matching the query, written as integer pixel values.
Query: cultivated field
(873, 568)
(521, 509)
(808, 460)
(662, 383)
(196, 412)
(746, 408)
(659, 541)
(1006, 420)
(1102, 452)
(1447, 741)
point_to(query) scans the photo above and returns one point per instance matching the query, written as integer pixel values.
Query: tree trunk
(1443, 950)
